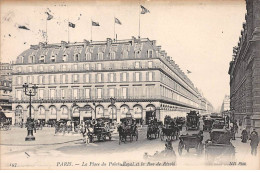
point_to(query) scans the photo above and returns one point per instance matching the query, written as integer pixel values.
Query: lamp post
(95, 110)
(30, 91)
(112, 100)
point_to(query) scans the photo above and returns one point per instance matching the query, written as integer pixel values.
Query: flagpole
(139, 20)
(91, 31)
(46, 32)
(114, 29)
(68, 32)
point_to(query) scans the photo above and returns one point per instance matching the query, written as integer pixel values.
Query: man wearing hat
(254, 142)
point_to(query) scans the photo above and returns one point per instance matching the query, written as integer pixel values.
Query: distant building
(244, 70)
(226, 104)
(6, 89)
(71, 77)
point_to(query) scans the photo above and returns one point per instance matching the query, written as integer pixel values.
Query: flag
(49, 16)
(95, 23)
(118, 21)
(144, 10)
(72, 25)
(23, 27)
(188, 71)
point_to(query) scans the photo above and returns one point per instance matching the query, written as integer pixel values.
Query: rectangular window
(30, 69)
(150, 64)
(62, 93)
(88, 56)
(63, 78)
(99, 78)
(137, 54)
(41, 93)
(64, 67)
(87, 93)
(137, 64)
(124, 77)
(75, 78)
(112, 55)
(150, 76)
(137, 77)
(75, 93)
(75, 67)
(99, 93)
(99, 66)
(29, 79)
(111, 92)
(86, 66)
(19, 95)
(87, 78)
(52, 94)
(19, 80)
(52, 68)
(52, 79)
(124, 92)
(100, 56)
(150, 54)
(111, 77)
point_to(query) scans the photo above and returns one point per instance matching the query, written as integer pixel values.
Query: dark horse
(125, 131)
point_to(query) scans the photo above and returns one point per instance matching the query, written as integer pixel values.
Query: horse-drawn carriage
(180, 121)
(99, 129)
(191, 141)
(153, 129)
(207, 124)
(219, 149)
(5, 123)
(218, 123)
(170, 129)
(192, 122)
(127, 128)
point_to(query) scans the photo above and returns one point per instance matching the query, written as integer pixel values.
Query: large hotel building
(244, 70)
(76, 81)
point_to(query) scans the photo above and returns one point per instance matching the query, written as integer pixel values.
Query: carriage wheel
(180, 147)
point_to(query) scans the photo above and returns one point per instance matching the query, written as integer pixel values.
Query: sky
(199, 35)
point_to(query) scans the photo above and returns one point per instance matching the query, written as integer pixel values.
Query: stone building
(244, 70)
(226, 104)
(77, 80)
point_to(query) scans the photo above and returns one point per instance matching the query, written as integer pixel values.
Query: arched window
(100, 56)
(125, 54)
(41, 110)
(53, 110)
(88, 56)
(64, 110)
(112, 55)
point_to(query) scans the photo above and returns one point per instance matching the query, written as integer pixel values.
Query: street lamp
(94, 104)
(112, 100)
(30, 91)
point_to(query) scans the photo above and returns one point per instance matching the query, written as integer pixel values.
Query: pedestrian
(244, 136)
(254, 142)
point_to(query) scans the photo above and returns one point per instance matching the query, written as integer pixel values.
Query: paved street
(53, 151)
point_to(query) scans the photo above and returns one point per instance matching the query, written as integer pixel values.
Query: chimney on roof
(154, 42)
(109, 41)
(41, 44)
(63, 44)
(86, 43)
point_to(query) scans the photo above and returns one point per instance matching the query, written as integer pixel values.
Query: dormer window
(150, 54)
(42, 59)
(112, 55)
(20, 59)
(88, 56)
(65, 58)
(53, 58)
(125, 54)
(137, 54)
(100, 56)
(76, 57)
(31, 59)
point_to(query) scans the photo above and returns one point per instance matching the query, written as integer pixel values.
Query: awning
(9, 114)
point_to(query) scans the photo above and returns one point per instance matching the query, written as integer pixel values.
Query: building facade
(6, 89)
(244, 70)
(226, 104)
(76, 81)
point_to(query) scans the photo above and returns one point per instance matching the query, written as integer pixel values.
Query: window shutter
(96, 78)
(140, 76)
(121, 77)
(153, 76)
(127, 77)
(66, 78)
(147, 76)
(102, 77)
(134, 76)
(108, 76)
(114, 77)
